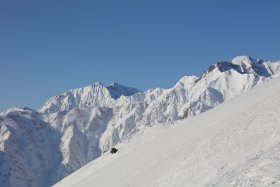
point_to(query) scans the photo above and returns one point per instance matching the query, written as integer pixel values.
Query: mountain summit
(246, 65)
(80, 125)
(95, 95)
(116, 90)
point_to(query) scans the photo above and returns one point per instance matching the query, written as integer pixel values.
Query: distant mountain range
(40, 147)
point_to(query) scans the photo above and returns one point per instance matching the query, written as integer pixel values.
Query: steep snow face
(81, 130)
(235, 144)
(89, 121)
(29, 150)
(95, 95)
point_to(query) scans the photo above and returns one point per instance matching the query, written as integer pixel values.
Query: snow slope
(82, 124)
(235, 144)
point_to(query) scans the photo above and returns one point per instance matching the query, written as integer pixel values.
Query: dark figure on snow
(113, 150)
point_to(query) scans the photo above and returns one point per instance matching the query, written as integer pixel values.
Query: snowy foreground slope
(41, 147)
(235, 144)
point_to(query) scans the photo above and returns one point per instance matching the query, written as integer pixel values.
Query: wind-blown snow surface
(235, 144)
(80, 125)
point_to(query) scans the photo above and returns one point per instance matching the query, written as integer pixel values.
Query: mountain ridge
(88, 96)
(88, 121)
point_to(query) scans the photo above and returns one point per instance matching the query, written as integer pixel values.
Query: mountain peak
(95, 95)
(245, 65)
(242, 60)
(98, 84)
(116, 90)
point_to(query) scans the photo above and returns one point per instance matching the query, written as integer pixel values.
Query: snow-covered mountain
(95, 95)
(235, 144)
(80, 125)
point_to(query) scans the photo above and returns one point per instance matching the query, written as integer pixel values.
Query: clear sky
(48, 47)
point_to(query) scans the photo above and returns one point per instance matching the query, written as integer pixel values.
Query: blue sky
(48, 47)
